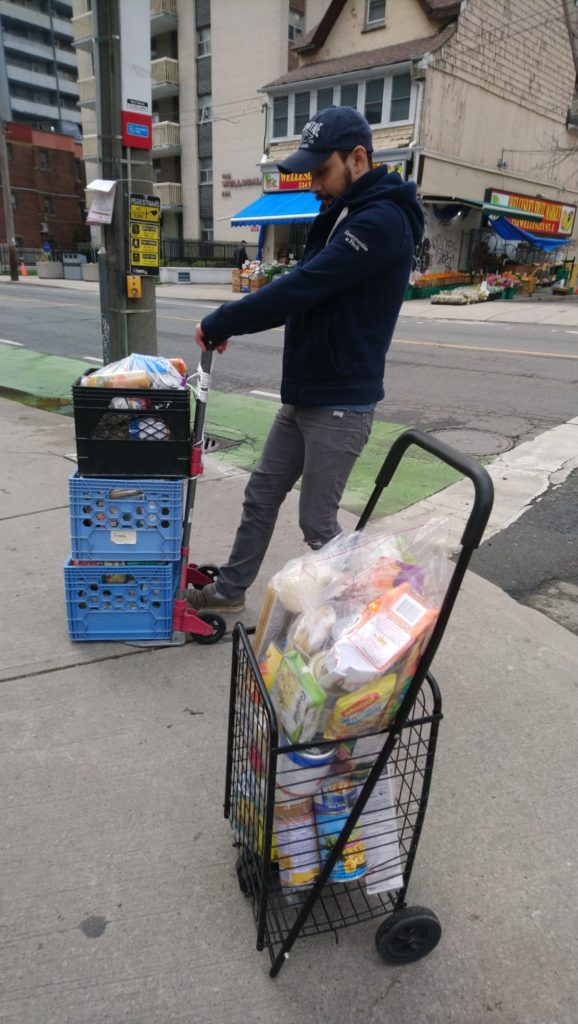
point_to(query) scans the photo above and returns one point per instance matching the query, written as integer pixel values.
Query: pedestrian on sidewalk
(339, 307)
(240, 255)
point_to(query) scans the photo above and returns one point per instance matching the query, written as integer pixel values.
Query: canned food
(295, 840)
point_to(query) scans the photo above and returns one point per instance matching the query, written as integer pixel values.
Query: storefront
(287, 207)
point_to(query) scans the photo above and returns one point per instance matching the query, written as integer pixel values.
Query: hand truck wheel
(217, 622)
(408, 935)
(212, 571)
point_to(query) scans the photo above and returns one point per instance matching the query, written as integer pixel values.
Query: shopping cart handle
(484, 488)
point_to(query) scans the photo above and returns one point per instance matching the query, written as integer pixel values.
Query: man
(240, 255)
(339, 306)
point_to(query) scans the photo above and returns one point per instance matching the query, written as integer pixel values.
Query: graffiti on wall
(439, 249)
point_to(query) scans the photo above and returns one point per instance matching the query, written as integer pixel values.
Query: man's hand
(200, 340)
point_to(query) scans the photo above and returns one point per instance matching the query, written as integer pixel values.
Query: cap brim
(303, 160)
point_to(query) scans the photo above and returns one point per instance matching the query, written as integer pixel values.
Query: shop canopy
(278, 208)
(505, 229)
(490, 209)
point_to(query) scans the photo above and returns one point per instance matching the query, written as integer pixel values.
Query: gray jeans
(316, 443)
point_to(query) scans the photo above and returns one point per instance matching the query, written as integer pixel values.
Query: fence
(191, 251)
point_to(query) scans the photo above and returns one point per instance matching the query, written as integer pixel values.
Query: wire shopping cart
(309, 864)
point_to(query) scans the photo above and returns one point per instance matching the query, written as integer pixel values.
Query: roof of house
(316, 37)
(411, 50)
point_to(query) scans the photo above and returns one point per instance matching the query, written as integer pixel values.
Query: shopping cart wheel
(248, 874)
(219, 626)
(408, 935)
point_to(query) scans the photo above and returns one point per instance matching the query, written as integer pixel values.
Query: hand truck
(382, 782)
(206, 627)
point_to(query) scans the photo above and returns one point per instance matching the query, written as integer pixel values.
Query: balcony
(163, 16)
(170, 194)
(86, 92)
(37, 80)
(165, 77)
(166, 138)
(82, 30)
(90, 147)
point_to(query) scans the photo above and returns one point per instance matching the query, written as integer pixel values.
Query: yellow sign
(144, 234)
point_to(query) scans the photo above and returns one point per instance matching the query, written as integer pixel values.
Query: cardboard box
(258, 282)
(236, 280)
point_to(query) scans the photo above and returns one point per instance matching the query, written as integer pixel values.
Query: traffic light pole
(128, 325)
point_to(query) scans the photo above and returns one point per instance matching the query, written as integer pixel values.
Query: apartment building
(209, 59)
(38, 77)
(46, 188)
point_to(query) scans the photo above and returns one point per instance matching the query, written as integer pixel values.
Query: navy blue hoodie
(341, 304)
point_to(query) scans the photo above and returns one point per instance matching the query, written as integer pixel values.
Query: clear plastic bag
(139, 371)
(342, 629)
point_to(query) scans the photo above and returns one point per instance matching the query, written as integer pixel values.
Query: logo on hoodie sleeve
(354, 241)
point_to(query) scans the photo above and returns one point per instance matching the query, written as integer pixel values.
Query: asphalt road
(485, 387)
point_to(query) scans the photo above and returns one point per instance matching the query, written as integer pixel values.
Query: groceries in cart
(342, 629)
(139, 371)
(338, 641)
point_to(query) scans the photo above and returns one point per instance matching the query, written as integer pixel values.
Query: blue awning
(278, 208)
(505, 229)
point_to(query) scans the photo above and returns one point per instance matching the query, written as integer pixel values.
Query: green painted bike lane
(44, 381)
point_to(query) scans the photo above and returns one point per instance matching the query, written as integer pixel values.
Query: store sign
(144, 234)
(557, 218)
(276, 181)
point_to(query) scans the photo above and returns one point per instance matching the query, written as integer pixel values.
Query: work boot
(209, 599)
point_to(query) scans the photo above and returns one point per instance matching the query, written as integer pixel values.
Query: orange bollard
(23, 270)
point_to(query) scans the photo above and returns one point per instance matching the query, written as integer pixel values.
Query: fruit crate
(132, 432)
(120, 601)
(126, 520)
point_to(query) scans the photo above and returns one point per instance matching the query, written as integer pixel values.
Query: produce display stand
(384, 788)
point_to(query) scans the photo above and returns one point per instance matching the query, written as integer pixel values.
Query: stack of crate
(126, 512)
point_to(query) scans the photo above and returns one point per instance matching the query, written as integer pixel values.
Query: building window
(205, 109)
(375, 13)
(10, 152)
(295, 25)
(324, 98)
(206, 171)
(43, 161)
(14, 200)
(374, 100)
(203, 42)
(302, 107)
(206, 229)
(349, 95)
(48, 207)
(400, 98)
(280, 116)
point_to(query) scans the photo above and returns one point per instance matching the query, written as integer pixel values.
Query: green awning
(490, 209)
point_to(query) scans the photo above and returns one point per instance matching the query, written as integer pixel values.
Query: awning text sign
(557, 218)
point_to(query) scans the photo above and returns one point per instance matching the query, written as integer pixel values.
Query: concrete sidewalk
(554, 310)
(119, 899)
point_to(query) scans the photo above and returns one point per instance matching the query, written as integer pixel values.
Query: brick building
(47, 181)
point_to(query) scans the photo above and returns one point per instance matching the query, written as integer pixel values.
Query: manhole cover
(214, 443)
(475, 442)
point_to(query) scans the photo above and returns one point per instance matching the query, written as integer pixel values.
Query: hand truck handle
(483, 486)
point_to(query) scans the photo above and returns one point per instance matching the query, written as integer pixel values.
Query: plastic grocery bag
(342, 629)
(139, 371)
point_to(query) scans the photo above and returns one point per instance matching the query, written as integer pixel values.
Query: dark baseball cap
(328, 130)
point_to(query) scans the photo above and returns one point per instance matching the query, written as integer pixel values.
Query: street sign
(144, 234)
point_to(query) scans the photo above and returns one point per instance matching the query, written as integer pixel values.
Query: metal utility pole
(128, 324)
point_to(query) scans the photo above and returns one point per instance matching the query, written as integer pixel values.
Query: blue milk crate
(125, 520)
(120, 601)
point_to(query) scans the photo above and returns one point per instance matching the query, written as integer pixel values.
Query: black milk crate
(154, 440)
